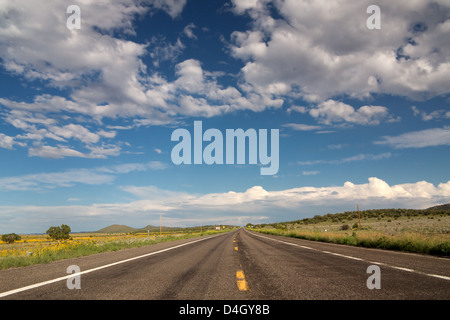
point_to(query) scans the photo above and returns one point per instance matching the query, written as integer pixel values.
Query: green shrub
(59, 233)
(10, 237)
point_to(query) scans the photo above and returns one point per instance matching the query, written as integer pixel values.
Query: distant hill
(440, 207)
(117, 228)
(155, 228)
(120, 228)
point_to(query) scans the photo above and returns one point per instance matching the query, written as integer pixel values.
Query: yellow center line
(240, 277)
(241, 282)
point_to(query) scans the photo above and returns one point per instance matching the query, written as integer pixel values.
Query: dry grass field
(429, 234)
(388, 226)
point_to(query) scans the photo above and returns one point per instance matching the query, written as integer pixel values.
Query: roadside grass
(37, 249)
(418, 235)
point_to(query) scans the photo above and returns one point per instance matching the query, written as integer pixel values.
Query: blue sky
(86, 115)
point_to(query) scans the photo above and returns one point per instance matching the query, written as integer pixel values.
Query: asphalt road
(236, 265)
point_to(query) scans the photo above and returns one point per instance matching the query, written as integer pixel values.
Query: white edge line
(439, 276)
(404, 269)
(40, 284)
(359, 259)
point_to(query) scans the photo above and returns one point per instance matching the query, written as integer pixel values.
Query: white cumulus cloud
(321, 49)
(253, 205)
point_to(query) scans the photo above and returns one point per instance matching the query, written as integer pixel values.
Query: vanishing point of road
(235, 265)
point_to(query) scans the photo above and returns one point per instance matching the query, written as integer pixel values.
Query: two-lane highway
(232, 266)
(201, 268)
(287, 268)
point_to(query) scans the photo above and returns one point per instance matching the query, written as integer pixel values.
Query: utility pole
(359, 218)
(160, 225)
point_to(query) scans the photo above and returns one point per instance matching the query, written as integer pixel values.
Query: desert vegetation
(420, 231)
(57, 244)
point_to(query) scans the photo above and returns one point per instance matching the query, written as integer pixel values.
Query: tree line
(54, 233)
